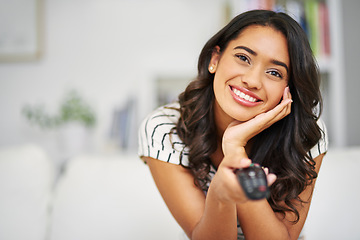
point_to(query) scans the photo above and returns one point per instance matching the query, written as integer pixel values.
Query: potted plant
(74, 121)
(72, 109)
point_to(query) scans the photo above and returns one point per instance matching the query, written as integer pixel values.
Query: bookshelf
(325, 36)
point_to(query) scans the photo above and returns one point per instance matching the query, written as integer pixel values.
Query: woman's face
(250, 74)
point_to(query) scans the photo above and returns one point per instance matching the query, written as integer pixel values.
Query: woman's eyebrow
(255, 54)
(280, 64)
(246, 49)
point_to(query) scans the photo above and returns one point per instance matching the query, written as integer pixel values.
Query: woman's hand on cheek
(238, 134)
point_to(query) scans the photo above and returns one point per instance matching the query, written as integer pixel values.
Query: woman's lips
(245, 97)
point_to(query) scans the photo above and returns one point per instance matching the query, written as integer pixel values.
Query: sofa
(113, 196)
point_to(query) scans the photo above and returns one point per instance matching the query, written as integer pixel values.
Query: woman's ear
(215, 56)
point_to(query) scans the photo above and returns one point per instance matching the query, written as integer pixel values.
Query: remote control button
(262, 188)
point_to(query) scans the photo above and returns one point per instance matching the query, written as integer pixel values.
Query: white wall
(108, 50)
(350, 13)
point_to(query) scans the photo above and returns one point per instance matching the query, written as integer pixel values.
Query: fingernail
(287, 90)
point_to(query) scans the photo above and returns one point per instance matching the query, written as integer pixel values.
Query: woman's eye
(243, 58)
(275, 73)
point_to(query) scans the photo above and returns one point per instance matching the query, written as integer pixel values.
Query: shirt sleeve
(322, 146)
(158, 138)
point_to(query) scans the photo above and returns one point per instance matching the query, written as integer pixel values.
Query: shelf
(325, 64)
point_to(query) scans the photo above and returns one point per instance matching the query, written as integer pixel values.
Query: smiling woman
(249, 80)
(254, 98)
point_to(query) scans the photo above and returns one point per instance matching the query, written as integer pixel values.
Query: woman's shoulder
(323, 144)
(167, 115)
(158, 138)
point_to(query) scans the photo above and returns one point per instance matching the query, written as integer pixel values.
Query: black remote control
(253, 181)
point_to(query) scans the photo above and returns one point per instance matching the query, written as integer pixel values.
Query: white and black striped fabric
(155, 140)
(323, 144)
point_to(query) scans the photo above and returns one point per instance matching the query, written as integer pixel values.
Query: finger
(244, 163)
(278, 110)
(286, 93)
(275, 114)
(283, 109)
(271, 178)
(286, 110)
(289, 93)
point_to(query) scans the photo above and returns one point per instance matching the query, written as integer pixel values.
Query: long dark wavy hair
(284, 147)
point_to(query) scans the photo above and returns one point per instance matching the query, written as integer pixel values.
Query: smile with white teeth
(243, 95)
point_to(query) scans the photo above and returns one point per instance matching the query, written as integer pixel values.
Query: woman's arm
(211, 218)
(257, 219)
(265, 224)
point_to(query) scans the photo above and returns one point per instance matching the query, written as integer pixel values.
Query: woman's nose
(253, 78)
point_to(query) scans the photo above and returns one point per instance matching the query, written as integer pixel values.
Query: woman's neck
(218, 155)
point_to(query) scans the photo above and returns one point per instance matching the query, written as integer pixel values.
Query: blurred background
(124, 58)
(78, 76)
(113, 53)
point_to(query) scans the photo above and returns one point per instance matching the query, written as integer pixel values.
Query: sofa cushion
(26, 181)
(110, 197)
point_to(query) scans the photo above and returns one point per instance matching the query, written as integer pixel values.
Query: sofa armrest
(335, 206)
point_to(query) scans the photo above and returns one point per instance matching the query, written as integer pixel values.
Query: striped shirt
(157, 141)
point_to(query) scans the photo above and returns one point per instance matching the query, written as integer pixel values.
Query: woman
(256, 97)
